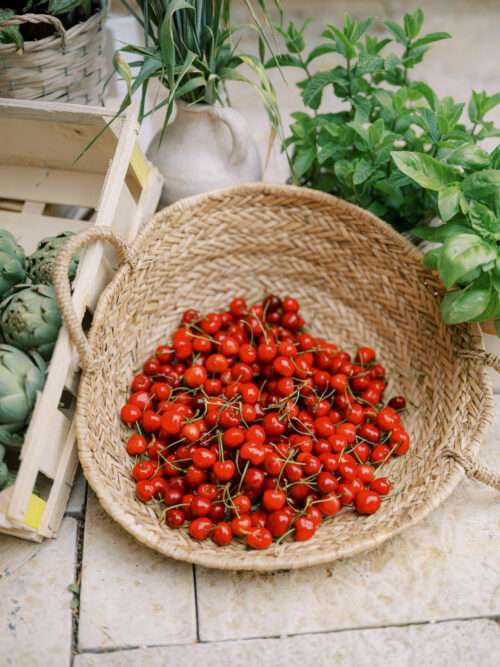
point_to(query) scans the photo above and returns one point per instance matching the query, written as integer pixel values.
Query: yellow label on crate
(140, 165)
(34, 512)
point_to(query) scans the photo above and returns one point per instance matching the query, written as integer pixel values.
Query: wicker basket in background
(67, 66)
(359, 283)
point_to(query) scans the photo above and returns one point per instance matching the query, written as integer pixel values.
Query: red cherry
(200, 528)
(304, 528)
(224, 470)
(367, 501)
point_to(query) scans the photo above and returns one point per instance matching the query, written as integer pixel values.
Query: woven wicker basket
(68, 66)
(358, 281)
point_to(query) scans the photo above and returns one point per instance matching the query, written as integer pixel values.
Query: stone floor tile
(130, 595)
(35, 607)
(439, 645)
(448, 566)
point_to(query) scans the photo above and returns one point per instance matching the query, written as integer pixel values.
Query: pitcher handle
(238, 128)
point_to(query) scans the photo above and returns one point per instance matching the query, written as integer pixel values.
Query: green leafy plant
(190, 47)
(70, 12)
(464, 186)
(348, 152)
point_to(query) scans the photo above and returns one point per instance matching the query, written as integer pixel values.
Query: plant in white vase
(190, 49)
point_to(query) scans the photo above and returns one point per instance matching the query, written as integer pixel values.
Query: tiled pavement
(431, 596)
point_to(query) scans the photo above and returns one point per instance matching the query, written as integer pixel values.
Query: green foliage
(468, 257)
(10, 34)
(348, 152)
(190, 48)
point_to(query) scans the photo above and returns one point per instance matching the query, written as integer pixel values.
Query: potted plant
(190, 51)
(52, 50)
(348, 152)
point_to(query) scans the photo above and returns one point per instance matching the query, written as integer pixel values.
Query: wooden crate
(44, 191)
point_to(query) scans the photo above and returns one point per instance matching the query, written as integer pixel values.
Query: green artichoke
(4, 471)
(12, 262)
(21, 377)
(40, 263)
(30, 318)
(6, 476)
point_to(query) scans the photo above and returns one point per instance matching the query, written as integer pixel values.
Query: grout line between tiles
(196, 610)
(75, 621)
(116, 649)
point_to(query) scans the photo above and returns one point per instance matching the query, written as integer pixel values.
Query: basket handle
(19, 19)
(63, 287)
(472, 467)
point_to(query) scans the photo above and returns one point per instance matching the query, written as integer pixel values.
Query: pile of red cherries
(247, 426)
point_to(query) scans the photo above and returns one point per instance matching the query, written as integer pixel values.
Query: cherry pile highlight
(248, 427)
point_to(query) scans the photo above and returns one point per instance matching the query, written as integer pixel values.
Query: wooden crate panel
(44, 192)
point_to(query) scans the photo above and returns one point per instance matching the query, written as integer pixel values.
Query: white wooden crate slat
(54, 186)
(113, 178)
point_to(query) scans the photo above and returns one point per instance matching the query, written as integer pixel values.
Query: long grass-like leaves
(190, 48)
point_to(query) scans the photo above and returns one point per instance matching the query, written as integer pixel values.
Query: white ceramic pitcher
(204, 148)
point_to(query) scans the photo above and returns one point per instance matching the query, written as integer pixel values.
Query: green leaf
(344, 46)
(495, 158)
(360, 130)
(343, 171)
(463, 253)
(491, 310)
(424, 169)
(367, 64)
(411, 26)
(418, 20)
(464, 305)
(428, 121)
(482, 184)
(397, 31)
(484, 221)
(426, 92)
(12, 35)
(491, 102)
(319, 51)
(283, 60)
(57, 7)
(474, 108)
(312, 92)
(123, 69)
(448, 202)
(431, 258)
(470, 156)
(495, 278)
(429, 39)
(440, 233)
(303, 162)
(166, 39)
(362, 171)
(375, 132)
(360, 27)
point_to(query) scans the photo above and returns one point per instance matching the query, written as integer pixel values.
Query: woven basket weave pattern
(67, 67)
(358, 282)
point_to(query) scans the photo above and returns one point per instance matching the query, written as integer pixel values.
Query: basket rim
(55, 40)
(254, 560)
